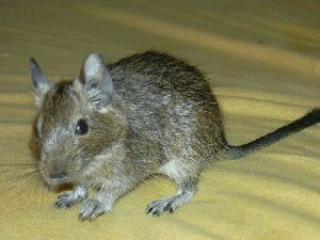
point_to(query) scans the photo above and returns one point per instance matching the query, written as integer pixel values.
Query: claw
(91, 209)
(65, 200)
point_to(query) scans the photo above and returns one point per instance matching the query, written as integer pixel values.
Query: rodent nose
(58, 176)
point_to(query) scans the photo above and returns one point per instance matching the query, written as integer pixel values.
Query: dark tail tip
(309, 119)
(313, 116)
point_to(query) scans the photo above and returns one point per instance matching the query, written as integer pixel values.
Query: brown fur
(160, 118)
(146, 114)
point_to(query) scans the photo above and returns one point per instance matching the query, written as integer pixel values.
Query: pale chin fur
(55, 184)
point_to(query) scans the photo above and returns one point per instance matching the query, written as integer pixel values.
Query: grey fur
(148, 114)
(39, 81)
(98, 86)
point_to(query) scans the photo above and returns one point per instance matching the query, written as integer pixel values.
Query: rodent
(118, 124)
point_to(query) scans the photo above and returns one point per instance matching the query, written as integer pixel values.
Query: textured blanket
(262, 59)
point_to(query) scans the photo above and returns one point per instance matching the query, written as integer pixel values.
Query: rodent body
(119, 124)
(166, 115)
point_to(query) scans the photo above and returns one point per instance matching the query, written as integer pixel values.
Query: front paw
(157, 208)
(65, 200)
(91, 209)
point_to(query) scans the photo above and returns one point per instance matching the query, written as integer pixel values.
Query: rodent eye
(82, 127)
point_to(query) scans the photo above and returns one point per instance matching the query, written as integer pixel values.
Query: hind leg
(187, 186)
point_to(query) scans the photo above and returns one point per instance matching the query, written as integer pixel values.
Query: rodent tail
(309, 119)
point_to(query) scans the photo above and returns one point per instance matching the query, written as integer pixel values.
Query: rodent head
(75, 121)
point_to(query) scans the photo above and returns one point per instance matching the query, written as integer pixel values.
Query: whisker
(18, 177)
(19, 169)
(17, 164)
(9, 167)
(16, 169)
(19, 187)
(23, 175)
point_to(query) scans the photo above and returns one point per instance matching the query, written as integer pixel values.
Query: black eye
(82, 127)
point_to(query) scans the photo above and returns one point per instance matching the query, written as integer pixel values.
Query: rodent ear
(96, 81)
(39, 81)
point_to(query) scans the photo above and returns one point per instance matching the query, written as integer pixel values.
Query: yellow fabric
(262, 58)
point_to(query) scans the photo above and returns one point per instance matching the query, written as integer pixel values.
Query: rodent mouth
(55, 182)
(55, 185)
